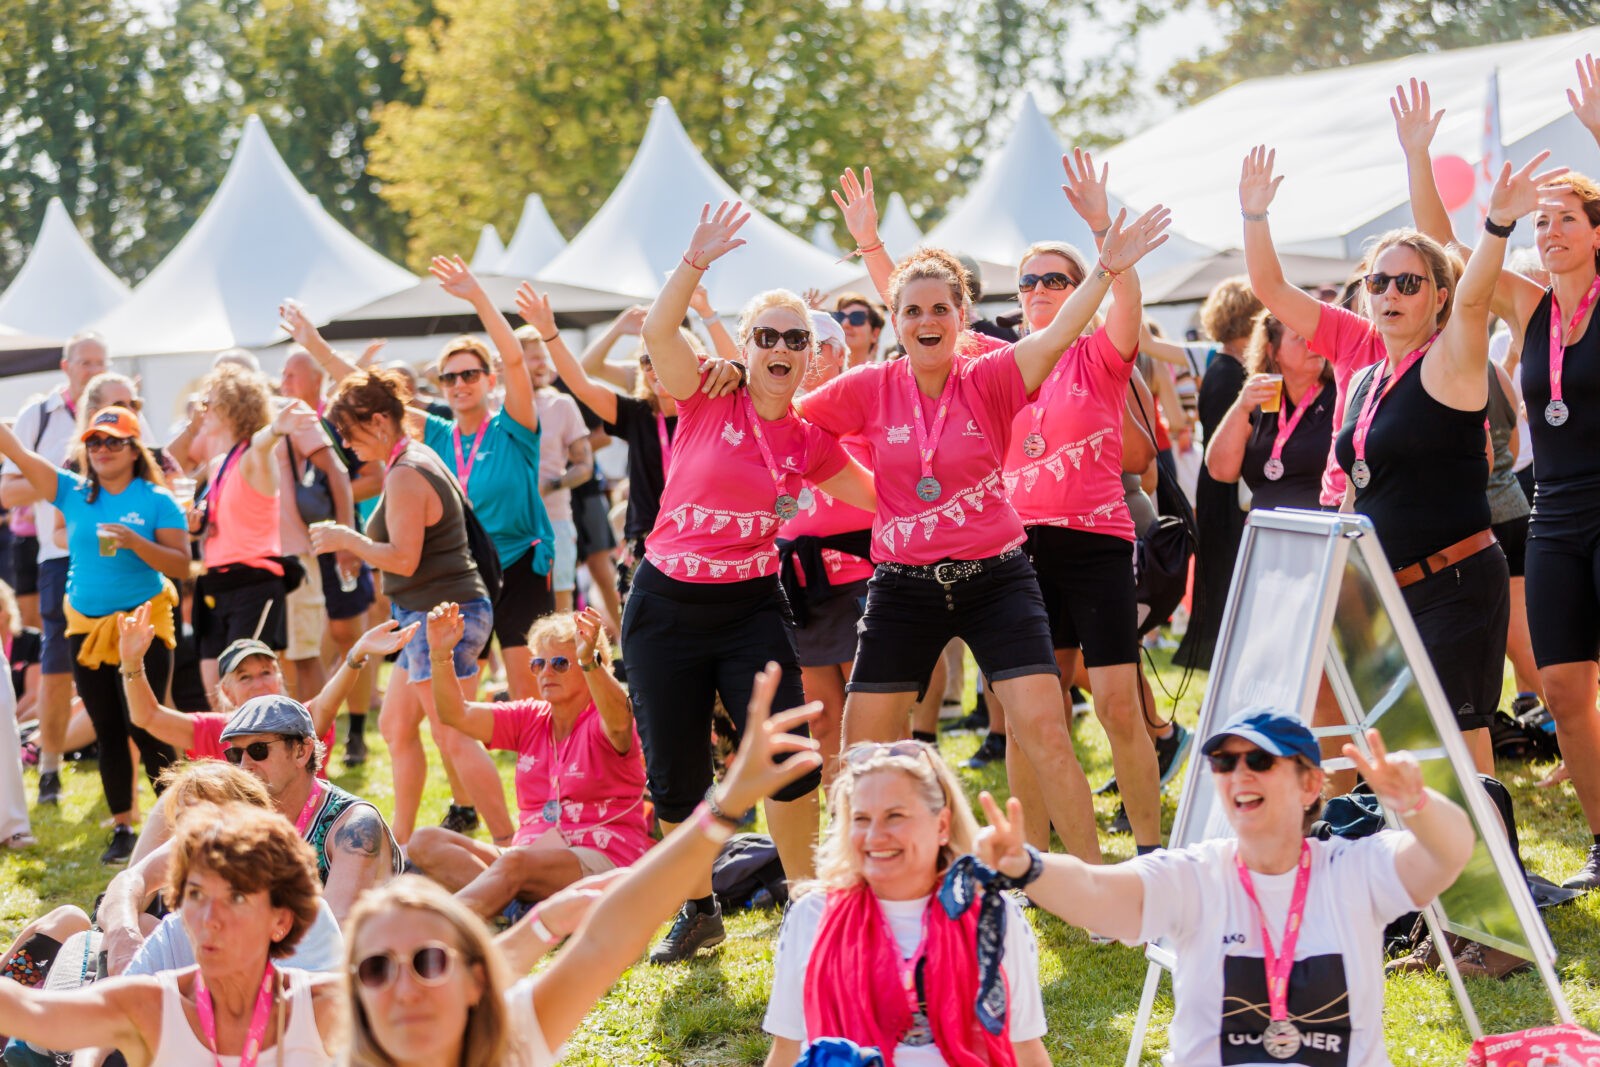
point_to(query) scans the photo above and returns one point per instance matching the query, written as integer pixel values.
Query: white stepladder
(1312, 594)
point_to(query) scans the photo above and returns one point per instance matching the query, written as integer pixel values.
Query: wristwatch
(590, 664)
(350, 661)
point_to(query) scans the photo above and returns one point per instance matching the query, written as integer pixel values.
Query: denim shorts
(477, 614)
(564, 573)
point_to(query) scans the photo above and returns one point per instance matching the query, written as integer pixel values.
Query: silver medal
(1280, 1039)
(929, 489)
(551, 811)
(1273, 468)
(807, 499)
(786, 507)
(1360, 473)
(1033, 445)
(1555, 412)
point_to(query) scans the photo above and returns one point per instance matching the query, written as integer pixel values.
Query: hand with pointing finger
(1396, 777)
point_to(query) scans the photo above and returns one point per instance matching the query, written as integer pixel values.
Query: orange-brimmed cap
(114, 421)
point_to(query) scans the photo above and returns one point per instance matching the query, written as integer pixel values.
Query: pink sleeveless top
(245, 521)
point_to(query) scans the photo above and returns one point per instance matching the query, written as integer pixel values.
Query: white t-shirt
(167, 948)
(530, 1049)
(1193, 901)
(48, 413)
(560, 424)
(786, 1016)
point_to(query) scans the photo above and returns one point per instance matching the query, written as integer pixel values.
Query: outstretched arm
(675, 362)
(1440, 834)
(445, 629)
(40, 472)
(457, 279)
(586, 382)
(135, 633)
(861, 219)
(381, 640)
(299, 326)
(628, 324)
(722, 342)
(1292, 306)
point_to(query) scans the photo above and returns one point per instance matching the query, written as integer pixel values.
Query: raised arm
(586, 383)
(298, 326)
(1291, 305)
(1586, 100)
(722, 343)
(98, 1015)
(457, 279)
(445, 628)
(381, 640)
(135, 633)
(860, 212)
(628, 324)
(259, 464)
(675, 362)
(1086, 192)
(610, 700)
(1440, 835)
(39, 472)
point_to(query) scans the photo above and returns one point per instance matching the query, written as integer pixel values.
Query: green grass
(709, 1011)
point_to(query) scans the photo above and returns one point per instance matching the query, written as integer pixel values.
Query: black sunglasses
(793, 340)
(468, 376)
(1378, 284)
(851, 318)
(1257, 759)
(1054, 280)
(104, 441)
(431, 965)
(559, 664)
(256, 750)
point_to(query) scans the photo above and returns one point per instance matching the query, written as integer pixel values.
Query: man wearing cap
(1278, 938)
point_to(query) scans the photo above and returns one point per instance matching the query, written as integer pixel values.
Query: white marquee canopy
(62, 286)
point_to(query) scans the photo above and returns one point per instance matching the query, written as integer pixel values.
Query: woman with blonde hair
(873, 951)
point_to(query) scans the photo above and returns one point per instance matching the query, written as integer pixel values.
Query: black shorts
(686, 644)
(829, 636)
(908, 621)
(338, 603)
(223, 614)
(1563, 580)
(525, 597)
(25, 564)
(592, 516)
(1513, 537)
(1086, 580)
(1461, 613)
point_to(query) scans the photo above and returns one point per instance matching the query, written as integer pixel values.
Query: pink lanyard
(464, 466)
(1380, 388)
(928, 488)
(214, 490)
(919, 1032)
(1281, 964)
(306, 812)
(785, 506)
(258, 1019)
(395, 452)
(666, 443)
(1274, 466)
(1555, 412)
(1033, 444)
(66, 402)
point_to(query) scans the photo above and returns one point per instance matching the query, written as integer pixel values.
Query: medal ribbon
(251, 1053)
(779, 479)
(306, 812)
(1286, 428)
(666, 444)
(394, 453)
(1558, 336)
(1380, 388)
(927, 439)
(1281, 964)
(908, 968)
(1047, 390)
(464, 466)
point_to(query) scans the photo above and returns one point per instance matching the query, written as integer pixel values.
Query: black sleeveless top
(1305, 454)
(1429, 471)
(1570, 451)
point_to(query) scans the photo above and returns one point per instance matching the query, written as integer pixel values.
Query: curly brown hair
(242, 397)
(1229, 312)
(367, 394)
(933, 263)
(1261, 354)
(254, 851)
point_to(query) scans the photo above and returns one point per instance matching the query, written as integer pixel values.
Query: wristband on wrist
(1495, 229)
(710, 316)
(867, 251)
(540, 930)
(1103, 271)
(350, 661)
(693, 265)
(707, 822)
(1422, 802)
(552, 337)
(729, 820)
(1253, 216)
(1035, 867)
(132, 674)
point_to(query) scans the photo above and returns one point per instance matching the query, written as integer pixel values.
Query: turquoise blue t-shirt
(504, 488)
(102, 585)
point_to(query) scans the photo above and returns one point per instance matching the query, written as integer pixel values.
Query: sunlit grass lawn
(709, 1011)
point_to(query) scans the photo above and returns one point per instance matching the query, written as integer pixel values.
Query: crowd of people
(811, 520)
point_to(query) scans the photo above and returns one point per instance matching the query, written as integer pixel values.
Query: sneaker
(691, 931)
(1080, 703)
(355, 750)
(977, 719)
(1171, 750)
(50, 787)
(1589, 876)
(993, 748)
(121, 847)
(1524, 703)
(1120, 824)
(462, 818)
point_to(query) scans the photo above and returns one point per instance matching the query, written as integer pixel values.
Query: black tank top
(1429, 472)
(1305, 454)
(1562, 453)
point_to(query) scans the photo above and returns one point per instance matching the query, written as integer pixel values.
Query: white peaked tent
(1344, 175)
(639, 234)
(490, 251)
(261, 239)
(62, 286)
(1017, 200)
(898, 230)
(822, 237)
(535, 244)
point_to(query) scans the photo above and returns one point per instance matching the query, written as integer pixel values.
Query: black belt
(949, 572)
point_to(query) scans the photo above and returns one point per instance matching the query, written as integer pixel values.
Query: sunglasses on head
(851, 318)
(468, 376)
(1257, 759)
(1378, 284)
(559, 664)
(793, 340)
(1054, 280)
(431, 964)
(256, 750)
(106, 442)
(863, 754)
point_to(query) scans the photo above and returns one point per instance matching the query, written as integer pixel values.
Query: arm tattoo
(360, 832)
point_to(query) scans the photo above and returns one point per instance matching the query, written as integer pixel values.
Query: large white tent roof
(490, 251)
(639, 234)
(898, 230)
(535, 244)
(1344, 173)
(261, 239)
(62, 286)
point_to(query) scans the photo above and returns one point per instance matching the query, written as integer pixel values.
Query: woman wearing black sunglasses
(863, 325)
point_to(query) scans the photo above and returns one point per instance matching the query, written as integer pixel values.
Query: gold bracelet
(131, 674)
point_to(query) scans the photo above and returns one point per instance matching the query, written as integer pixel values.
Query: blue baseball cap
(270, 715)
(1271, 731)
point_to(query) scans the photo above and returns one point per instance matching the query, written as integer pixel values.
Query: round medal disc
(1280, 1039)
(1033, 445)
(1273, 468)
(1361, 474)
(552, 811)
(1555, 412)
(928, 489)
(786, 506)
(807, 499)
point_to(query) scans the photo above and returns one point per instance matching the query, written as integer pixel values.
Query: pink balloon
(1456, 180)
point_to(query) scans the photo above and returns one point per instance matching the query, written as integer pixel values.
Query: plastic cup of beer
(1273, 403)
(183, 492)
(108, 539)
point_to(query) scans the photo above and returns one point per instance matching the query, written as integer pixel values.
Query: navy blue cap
(1271, 731)
(270, 715)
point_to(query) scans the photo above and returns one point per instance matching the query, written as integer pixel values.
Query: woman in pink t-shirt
(945, 537)
(706, 611)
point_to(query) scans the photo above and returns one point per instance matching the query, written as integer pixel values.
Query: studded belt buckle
(955, 569)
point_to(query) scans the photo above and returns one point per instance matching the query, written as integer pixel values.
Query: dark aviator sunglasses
(1054, 280)
(793, 340)
(1378, 284)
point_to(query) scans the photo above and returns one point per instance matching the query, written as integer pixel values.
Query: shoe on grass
(1170, 753)
(462, 818)
(991, 750)
(1120, 824)
(355, 750)
(117, 852)
(1589, 876)
(50, 787)
(691, 931)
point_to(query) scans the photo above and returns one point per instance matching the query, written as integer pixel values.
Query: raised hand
(1516, 194)
(587, 624)
(1395, 776)
(700, 302)
(859, 209)
(1125, 247)
(135, 632)
(385, 638)
(534, 307)
(755, 771)
(999, 845)
(369, 355)
(717, 234)
(815, 298)
(455, 277)
(297, 324)
(631, 321)
(293, 417)
(1085, 191)
(445, 628)
(1586, 101)
(1257, 186)
(1414, 118)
